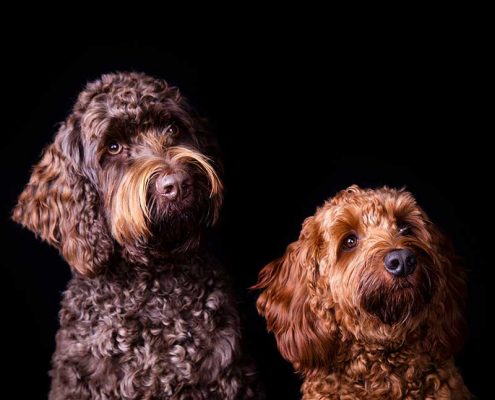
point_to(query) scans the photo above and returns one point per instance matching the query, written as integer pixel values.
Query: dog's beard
(175, 226)
(144, 222)
(396, 300)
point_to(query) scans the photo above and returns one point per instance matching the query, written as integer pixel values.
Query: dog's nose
(173, 186)
(401, 262)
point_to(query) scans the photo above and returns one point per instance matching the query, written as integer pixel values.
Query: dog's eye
(350, 242)
(404, 228)
(114, 148)
(172, 130)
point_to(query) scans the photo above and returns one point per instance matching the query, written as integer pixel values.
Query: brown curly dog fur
(367, 304)
(125, 192)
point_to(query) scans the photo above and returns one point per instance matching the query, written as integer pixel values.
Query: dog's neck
(380, 371)
(124, 269)
(162, 251)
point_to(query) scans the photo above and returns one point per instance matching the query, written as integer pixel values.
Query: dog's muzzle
(174, 186)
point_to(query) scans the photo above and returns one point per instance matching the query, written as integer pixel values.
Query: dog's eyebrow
(407, 213)
(118, 130)
(347, 220)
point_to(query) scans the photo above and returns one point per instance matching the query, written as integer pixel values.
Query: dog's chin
(398, 301)
(175, 225)
(392, 306)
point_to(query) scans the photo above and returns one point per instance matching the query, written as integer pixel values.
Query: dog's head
(131, 170)
(369, 266)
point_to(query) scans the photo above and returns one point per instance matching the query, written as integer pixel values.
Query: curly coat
(350, 327)
(148, 313)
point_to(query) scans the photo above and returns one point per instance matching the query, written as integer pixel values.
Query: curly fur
(348, 326)
(148, 313)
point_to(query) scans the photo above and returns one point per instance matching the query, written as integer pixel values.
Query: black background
(297, 121)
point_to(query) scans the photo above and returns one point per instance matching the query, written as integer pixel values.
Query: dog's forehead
(372, 207)
(102, 117)
(376, 212)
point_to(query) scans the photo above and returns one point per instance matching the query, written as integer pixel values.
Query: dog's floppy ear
(289, 302)
(449, 330)
(61, 207)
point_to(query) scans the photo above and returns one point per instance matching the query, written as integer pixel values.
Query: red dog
(367, 304)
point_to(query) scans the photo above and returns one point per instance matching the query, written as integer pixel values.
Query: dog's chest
(165, 319)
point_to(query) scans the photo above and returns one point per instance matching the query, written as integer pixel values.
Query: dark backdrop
(296, 124)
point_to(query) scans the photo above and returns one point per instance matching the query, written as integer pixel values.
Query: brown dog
(367, 304)
(125, 193)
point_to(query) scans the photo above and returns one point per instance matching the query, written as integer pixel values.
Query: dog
(367, 303)
(125, 193)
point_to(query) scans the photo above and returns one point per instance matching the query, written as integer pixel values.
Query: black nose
(173, 186)
(400, 262)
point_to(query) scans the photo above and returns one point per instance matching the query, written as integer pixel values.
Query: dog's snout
(400, 262)
(173, 186)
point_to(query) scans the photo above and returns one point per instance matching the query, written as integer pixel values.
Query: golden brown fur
(351, 328)
(129, 205)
